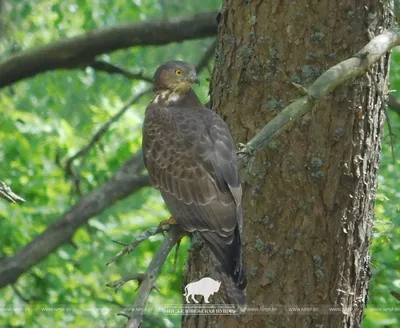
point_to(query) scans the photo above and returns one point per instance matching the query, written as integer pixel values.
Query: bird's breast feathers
(166, 98)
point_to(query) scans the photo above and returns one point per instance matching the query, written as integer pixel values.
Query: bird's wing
(225, 165)
(191, 158)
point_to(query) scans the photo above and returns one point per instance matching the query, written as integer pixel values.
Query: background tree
(66, 150)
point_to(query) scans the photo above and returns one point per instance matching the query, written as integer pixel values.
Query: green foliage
(50, 117)
(384, 309)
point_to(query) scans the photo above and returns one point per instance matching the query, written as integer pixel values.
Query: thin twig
(120, 243)
(103, 129)
(164, 7)
(127, 180)
(122, 314)
(176, 255)
(9, 195)
(203, 61)
(109, 68)
(394, 104)
(141, 238)
(174, 235)
(117, 284)
(395, 295)
(113, 69)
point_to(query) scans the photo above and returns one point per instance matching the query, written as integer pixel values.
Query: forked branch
(139, 277)
(152, 272)
(141, 238)
(148, 279)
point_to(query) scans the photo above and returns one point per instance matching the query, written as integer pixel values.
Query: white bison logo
(206, 287)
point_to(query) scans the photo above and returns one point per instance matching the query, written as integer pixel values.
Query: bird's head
(175, 76)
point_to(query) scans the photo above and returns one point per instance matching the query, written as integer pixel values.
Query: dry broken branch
(139, 277)
(152, 272)
(127, 180)
(9, 195)
(109, 68)
(138, 240)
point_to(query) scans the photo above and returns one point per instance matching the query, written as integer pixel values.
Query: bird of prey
(191, 158)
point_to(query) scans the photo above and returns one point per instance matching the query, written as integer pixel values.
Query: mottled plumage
(191, 158)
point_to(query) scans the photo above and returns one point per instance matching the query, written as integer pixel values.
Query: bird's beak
(194, 79)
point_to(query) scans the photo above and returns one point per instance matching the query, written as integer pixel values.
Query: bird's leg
(171, 220)
(178, 243)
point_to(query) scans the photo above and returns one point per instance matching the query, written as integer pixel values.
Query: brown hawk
(191, 158)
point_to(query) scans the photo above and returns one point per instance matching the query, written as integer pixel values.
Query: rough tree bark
(309, 198)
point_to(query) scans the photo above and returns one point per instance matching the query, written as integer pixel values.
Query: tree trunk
(308, 198)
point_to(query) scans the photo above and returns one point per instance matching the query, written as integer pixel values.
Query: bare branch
(138, 240)
(122, 314)
(127, 180)
(326, 83)
(97, 136)
(109, 68)
(8, 194)
(203, 62)
(395, 294)
(117, 284)
(174, 235)
(82, 50)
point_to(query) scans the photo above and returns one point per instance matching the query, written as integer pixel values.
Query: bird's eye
(178, 72)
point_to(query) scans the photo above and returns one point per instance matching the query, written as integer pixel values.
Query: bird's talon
(171, 220)
(240, 146)
(245, 150)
